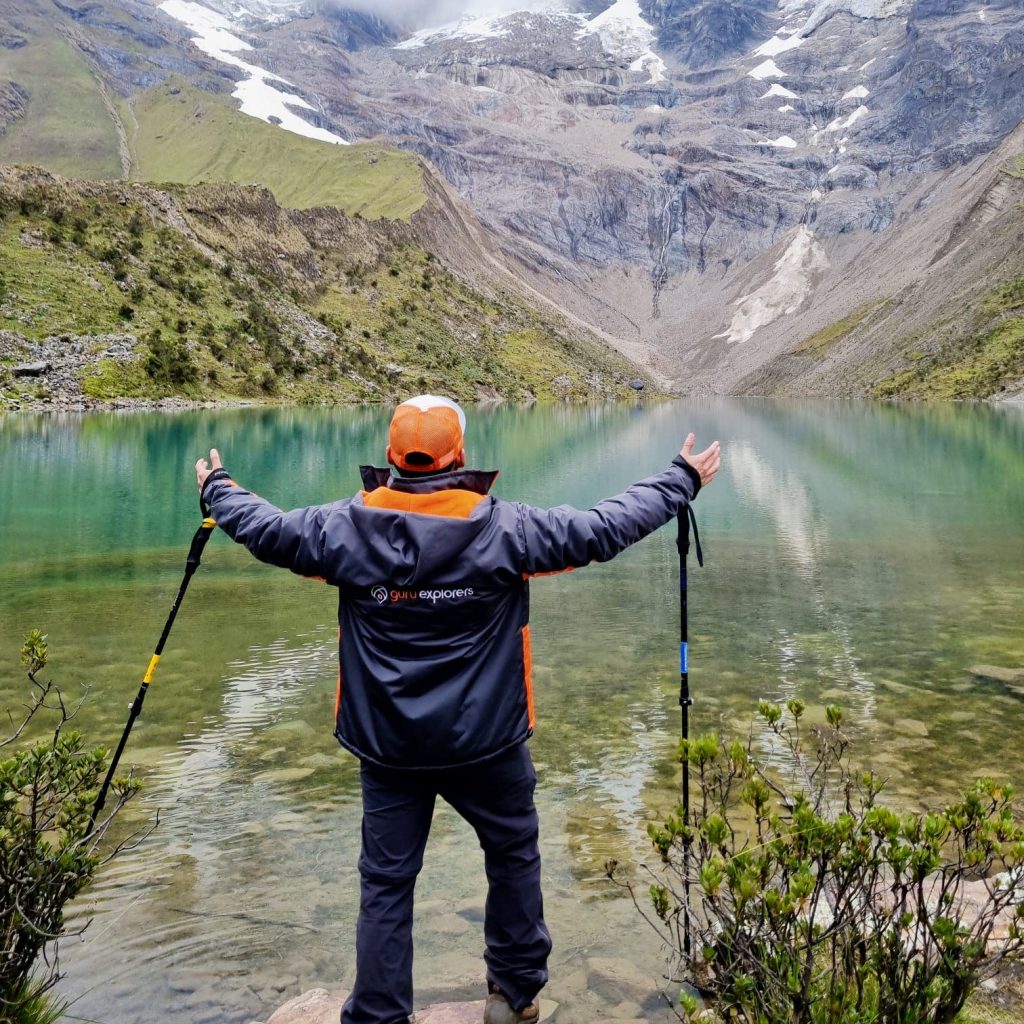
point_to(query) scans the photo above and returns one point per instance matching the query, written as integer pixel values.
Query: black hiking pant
(496, 798)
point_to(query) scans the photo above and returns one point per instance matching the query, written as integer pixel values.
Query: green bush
(48, 851)
(794, 896)
(169, 360)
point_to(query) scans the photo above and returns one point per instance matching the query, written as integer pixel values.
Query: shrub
(169, 360)
(815, 902)
(48, 852)
(126, 312)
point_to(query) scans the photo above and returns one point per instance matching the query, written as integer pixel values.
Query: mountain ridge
(647, 192)
(114, 291)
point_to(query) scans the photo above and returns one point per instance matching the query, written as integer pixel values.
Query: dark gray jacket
(433, 582)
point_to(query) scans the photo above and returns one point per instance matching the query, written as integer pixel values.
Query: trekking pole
(195, 554)
(684, 519)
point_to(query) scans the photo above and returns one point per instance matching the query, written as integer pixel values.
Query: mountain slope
(939, 309)
(216, 291)
(185, 135)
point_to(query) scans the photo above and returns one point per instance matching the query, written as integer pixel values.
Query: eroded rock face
(13, 99)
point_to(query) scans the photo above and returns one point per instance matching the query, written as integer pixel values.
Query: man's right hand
(707, 463)
(203, 470)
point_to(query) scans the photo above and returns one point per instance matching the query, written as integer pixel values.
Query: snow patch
(623, 30)
(782, 142)
(873, 9)
(786, 108)
(981, 15)
(652, 64)
(859, 92)
(779, 90)
(777, 44)
(847, 122)
(868, 64)
(258, 98)
(784, 292)
(767, 69)
(817, 195)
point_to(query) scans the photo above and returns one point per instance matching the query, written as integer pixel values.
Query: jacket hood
(479, 481)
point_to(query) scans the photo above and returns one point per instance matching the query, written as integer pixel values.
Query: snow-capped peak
(488, 23)
(622, 29)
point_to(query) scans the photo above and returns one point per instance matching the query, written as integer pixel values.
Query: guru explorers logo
(382, 595)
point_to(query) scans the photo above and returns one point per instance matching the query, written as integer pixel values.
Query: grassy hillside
(217, 292)
(65, 125)
(76, 123)
(188, 135)
(989, 358)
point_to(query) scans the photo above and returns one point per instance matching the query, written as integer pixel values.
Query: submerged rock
(1011, 677)
(284, 775)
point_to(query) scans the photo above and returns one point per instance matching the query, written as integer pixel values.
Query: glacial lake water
(863, 554)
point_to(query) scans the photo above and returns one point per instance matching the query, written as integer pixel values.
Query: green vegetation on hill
(187, 135)
(989, 359)
(226, 314)
(820, 344)
(1014, 167)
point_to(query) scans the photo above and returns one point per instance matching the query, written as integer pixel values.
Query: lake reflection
(863, 554)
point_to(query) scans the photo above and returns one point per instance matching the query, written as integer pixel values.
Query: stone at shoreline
(318, 1006)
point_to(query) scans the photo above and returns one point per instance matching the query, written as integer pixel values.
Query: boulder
(451, 1013)
(36, 369)
(318, 1006)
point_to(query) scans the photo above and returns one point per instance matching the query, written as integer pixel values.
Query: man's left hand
(203, 470)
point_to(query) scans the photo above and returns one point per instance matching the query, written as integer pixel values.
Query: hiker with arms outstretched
(435, 695)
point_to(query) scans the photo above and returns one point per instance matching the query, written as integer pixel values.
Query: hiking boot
(498, 1011)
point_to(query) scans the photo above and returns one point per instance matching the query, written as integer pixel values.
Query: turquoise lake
(864, 554)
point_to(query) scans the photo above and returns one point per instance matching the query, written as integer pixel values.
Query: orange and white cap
(427, 433)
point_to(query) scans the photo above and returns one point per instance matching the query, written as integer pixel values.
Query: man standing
(435, 693)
